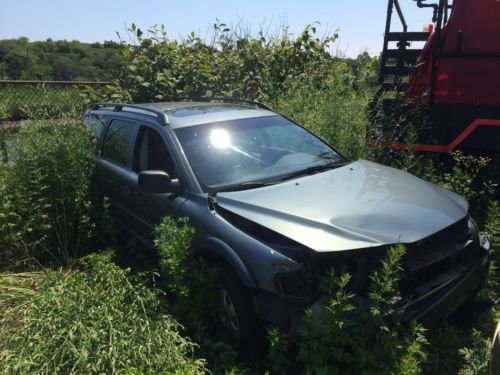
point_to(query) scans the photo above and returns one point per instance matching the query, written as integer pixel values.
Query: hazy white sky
(361, 22)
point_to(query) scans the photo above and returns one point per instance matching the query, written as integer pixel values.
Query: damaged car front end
(439, 272)
(349, 228)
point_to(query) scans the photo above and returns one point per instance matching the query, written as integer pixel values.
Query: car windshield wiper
(243, 186)
(314, 169)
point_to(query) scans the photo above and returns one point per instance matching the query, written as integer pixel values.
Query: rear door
(114, 169)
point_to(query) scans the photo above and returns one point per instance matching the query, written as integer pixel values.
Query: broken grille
(440, 259)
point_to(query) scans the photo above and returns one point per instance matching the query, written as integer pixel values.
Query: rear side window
(96, 124)
(118, 141)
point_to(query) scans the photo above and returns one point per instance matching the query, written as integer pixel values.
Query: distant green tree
(49, 45)
(63, 47)
(56, 60)
(23, 41)
(3, 70)
(17, 63)
(63, 70)
(111, 44)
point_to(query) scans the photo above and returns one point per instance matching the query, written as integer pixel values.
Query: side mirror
(157, 182)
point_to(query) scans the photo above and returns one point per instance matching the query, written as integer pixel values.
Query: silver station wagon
(274, 206)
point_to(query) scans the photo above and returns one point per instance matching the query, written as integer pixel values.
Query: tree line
(59, 60)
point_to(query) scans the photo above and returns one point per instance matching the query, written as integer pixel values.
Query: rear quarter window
(97, 125)
(118, 141)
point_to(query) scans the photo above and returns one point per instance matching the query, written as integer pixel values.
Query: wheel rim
(228, 315)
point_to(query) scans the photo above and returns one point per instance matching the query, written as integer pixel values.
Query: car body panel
(362, 204)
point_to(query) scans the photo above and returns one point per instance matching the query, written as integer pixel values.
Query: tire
(235, 315)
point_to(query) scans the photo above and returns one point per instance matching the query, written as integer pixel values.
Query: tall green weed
(46, 210)
(233, 63)
(354, 335)
(191, 284)
(331, 108)
(93, 320)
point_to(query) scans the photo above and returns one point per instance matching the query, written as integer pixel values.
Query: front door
(151, 153)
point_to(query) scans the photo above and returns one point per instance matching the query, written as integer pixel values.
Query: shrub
(191, 283)
(279, 347)
(355, 335)
(94, 320)
(477, 357)
(45, 193)
(189, 280)
(330, 109)
(234, 64)
(492, 231)
(40, 102)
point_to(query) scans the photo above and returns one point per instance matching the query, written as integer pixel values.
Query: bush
(190, 282)
(234, 64)
(95, 320)
(353, 335)
(477, 357)
(188, 279)
(40, 102)
(492, 231)
(46, 209)
(332, 109)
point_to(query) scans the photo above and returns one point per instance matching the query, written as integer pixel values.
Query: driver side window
(151, 153)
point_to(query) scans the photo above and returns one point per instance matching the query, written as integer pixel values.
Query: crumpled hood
(362, 204)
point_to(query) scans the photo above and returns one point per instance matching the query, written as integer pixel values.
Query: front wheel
(236, 316)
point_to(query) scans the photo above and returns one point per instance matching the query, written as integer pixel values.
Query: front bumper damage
(435, 306)
(429, 309)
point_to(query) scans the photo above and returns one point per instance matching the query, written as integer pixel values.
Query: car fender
(208, 244)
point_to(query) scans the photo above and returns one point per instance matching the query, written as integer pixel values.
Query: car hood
(362, 204)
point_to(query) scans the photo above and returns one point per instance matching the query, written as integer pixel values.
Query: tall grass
(46, 210)
(94, 320)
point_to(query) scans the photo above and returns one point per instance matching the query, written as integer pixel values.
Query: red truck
(456, 74)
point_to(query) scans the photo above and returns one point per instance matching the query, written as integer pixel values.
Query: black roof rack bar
(227, 100)
(117, 107)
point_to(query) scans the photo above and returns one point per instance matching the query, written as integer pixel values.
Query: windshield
(255, 150)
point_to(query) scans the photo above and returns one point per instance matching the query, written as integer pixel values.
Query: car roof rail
(227, 100)
(118, 107)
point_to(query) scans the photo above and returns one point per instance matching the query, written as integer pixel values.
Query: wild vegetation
(74, 314)
(59, 60)
(46, 211)
(41, 101)
(93, 319)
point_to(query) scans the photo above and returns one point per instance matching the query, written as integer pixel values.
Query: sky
(360, 22)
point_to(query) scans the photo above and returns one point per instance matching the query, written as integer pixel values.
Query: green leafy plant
(279, 347)
(477, 356)
(189, 280)
(191, 283)
(355, 335)
(234, 63)
(46, 210)
(330, 107)
(492, 232)
(98, 319)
